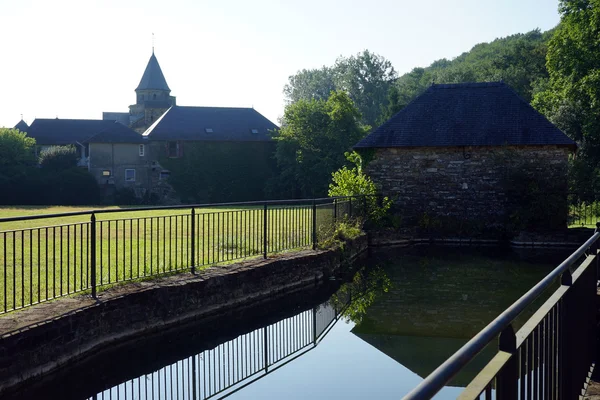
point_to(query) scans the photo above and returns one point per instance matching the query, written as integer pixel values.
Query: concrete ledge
(44, 337)
(571, 238)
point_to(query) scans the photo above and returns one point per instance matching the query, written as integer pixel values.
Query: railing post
(565, 338)
(334, 210)
(265, 220)
(92, 240)
(507, 379)
(365, 213)
(193, 238)
(314, 312)
(350, 208)
(266, 343)
(314, 224)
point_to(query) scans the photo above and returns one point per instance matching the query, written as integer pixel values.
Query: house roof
(466, 114)
(22, 126)
(69, 131)
(117, 133)
(211, 124)
(153, 77)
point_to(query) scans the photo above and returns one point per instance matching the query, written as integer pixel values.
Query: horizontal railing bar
(487, 374)
(37, 228)
(177, 207)
(445, 372)
(533, 322)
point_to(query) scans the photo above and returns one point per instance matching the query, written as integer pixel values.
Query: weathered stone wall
(116, 158)
(461, 183)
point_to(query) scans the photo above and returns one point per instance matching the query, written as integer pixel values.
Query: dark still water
(374, 333)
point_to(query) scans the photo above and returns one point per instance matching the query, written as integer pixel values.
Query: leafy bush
(58, 158)
(353, 182)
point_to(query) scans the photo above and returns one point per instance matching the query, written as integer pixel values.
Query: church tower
(153, 97)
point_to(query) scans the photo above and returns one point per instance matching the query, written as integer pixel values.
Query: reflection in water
(234, 364)
(414, 307)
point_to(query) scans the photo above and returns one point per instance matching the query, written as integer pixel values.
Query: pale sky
(77, 58)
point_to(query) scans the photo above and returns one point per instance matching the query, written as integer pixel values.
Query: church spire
(153, 78)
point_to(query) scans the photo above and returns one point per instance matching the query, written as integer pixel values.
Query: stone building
(153, 98)
(120, 160)
(466, 152)
(77, 133)
(120, 157)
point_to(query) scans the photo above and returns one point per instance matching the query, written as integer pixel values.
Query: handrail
(445, 372)
(175, 207)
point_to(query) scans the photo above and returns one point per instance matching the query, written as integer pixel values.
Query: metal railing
(583, 210)
(234, 364)
(550, 356)
(53, 260)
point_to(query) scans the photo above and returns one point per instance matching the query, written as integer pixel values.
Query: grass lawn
(51, 257)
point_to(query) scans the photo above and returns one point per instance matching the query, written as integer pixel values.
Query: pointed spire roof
(22, 126)
(153, 77)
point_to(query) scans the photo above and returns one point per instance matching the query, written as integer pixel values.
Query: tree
(16, 149)
(310, 84)
(312, 141)
(571, 98)
(365, 77)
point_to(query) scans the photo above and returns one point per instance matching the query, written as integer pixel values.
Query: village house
(451, 153)
(77, 133)
(119, 156)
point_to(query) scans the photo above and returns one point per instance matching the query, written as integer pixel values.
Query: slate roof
(68, 131)
(153, 77)
(227, 124)
(466, 114)
(22, 126)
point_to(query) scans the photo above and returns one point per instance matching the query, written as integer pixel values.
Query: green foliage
(16, 149)
(338, 234)
(359, 294)
(519, 60)
(311, 143)
(571, 98)
(354, 182)
(72, 186)
(58, 158)
(211, 172)
(366, 77)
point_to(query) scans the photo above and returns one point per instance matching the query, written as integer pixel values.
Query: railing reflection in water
(234, 364)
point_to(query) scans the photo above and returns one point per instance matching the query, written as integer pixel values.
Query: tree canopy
(571, 96)
(312, 141)
(366, 77)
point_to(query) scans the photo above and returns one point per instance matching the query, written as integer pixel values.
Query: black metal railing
(550, 356)
(39, 263)
(234, 364)
(584, 210)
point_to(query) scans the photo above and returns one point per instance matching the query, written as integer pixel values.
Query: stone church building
(469, 153)
(126, 150)
(153, 98)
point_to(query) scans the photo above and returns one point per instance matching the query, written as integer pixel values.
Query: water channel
(374, 332)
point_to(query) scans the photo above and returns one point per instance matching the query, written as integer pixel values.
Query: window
(208, 130)
(173, 149)
(254, 130)
(142, 150)
(130, 175)
(164, 175)
(106, 172)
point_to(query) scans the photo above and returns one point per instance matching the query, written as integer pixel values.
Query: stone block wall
(461, 183)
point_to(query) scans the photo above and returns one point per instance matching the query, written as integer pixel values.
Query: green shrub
(58, 158)
(353, 182)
